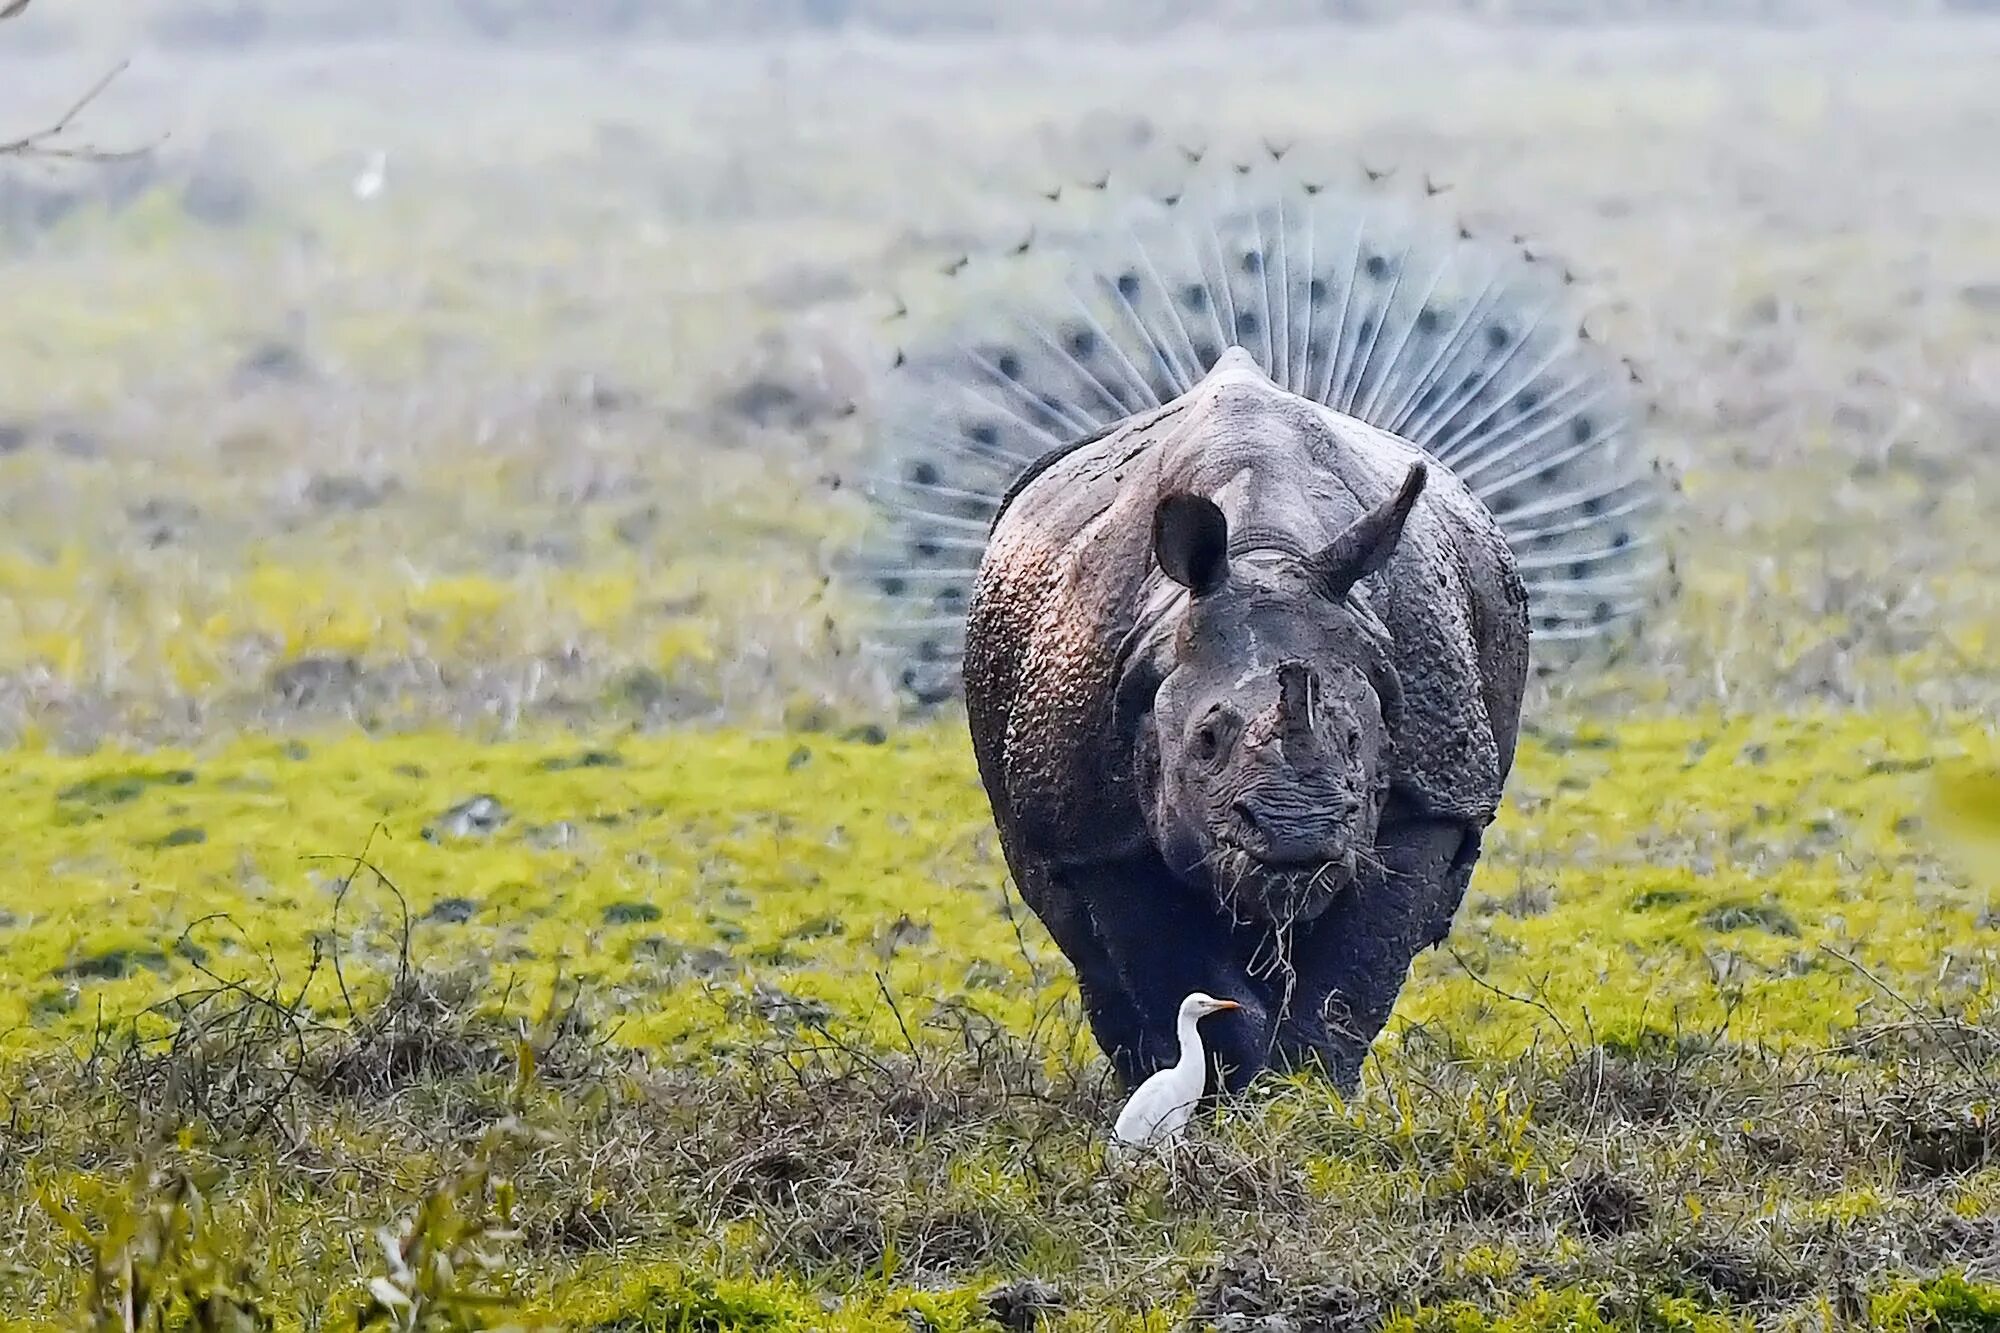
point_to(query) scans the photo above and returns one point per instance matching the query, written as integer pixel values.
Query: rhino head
(1264, 761)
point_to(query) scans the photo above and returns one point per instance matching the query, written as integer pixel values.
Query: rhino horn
(1191, 542)
(1365, 546)
(1298, 684)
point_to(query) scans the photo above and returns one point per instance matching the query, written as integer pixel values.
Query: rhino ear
(1191, 542)
(1366, 545)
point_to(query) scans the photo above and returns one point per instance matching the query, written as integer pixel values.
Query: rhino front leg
(1161, 941)
(1349, 965)
(1061, 909)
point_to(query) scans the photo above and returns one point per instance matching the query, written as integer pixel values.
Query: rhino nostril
(1245, 815)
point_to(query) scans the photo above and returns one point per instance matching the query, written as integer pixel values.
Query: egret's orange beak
(1220, 1005)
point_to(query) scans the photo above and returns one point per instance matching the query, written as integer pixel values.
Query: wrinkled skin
(1263, 764)
(1243, 685)
(1274, 787)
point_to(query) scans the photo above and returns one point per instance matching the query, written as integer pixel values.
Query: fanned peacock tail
(1377, 305)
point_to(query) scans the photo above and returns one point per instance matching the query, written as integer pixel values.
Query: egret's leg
(1350, 963)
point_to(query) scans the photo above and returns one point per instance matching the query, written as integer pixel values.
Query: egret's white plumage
(373, 176)
(1159, 1110)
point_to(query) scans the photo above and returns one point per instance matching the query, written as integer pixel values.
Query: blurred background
(500, 359)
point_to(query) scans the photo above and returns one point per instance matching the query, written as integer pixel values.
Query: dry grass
(1690, 1184)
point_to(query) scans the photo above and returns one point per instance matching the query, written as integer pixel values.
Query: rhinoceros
(1233, 546)
(1243, 661)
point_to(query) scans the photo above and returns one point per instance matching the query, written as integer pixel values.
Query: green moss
(1948, 1304)
(720, 840)
(702, 1305)
(117, 788)
(1575, 1310)
(1765, 916)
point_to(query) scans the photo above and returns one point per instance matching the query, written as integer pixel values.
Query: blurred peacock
(1367, 297)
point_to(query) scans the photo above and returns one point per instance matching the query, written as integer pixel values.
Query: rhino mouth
(1263, 888)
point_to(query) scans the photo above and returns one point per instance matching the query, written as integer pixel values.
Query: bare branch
(44, 142)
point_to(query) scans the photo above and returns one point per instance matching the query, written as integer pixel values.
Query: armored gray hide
(1070, 601)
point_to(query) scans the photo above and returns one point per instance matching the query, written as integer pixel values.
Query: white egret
(1159, 1110)
(374, 175)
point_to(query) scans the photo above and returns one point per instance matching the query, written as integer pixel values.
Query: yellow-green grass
(1656, 888)
(1653, 875)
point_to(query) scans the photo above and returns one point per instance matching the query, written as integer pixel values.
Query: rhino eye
(1211, 734)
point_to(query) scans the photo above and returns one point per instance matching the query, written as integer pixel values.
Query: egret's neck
(1192, 1056)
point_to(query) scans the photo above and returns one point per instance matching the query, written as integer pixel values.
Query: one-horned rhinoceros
(1234, 540)
(1239, 661)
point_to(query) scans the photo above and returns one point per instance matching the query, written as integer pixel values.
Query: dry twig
(47, 142)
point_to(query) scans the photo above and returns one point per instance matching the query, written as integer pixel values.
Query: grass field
(443, 797)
